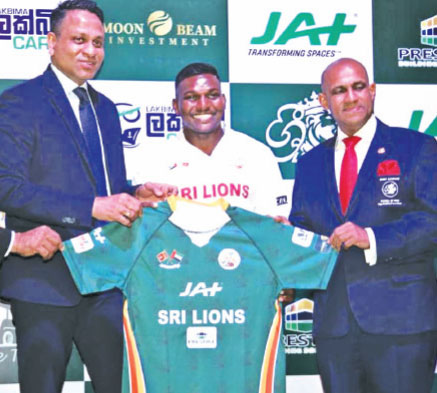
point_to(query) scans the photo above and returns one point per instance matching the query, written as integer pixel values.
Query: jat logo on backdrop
(25, 28)
(159, 29)
(421, 57)
(299, 320)
(303, 25)
(157, 121)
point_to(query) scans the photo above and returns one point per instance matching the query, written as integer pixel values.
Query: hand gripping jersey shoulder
(201, 318)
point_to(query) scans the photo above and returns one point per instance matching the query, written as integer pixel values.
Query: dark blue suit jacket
(45, 178)
(5, 240)
(398, 295)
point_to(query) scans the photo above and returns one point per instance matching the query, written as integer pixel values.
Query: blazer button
(68, 220)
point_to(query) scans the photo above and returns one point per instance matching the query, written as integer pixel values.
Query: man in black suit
(372, 188)
(62, 165)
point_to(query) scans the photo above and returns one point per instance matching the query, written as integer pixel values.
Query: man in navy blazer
(47, 176)
(375, 326)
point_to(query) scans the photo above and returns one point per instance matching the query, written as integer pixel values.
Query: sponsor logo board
(293, 43)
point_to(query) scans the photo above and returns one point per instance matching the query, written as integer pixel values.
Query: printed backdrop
(270, 55)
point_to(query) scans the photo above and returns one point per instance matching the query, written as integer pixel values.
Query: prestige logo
(25, 28)
(299, 320)
(164, 32)
(298, 128)
(302, 25)
(428, 31)
(421, 57)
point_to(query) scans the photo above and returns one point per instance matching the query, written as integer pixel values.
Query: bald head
(347, 94)
(340, 63)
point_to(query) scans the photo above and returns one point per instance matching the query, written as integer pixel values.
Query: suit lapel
(60, 103)
(368, 169)
(104, 124)
(329, 165)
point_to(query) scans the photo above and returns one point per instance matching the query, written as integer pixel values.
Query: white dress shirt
(69, 85)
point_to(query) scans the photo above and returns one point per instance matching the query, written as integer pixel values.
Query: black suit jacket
(5, 240)
(45, 178)
(395, 195)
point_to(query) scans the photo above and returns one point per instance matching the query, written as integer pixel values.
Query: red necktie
(349, 171)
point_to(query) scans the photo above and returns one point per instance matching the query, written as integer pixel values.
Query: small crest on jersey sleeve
(176, 256)
(229, 259)
(171, 261)
(162, 256)
(301, 237)
(82, 243)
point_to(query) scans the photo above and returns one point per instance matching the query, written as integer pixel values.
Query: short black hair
(59, 13)
(195, 69)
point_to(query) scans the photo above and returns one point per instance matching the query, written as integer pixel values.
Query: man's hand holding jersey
(154, 192)
(125, 208)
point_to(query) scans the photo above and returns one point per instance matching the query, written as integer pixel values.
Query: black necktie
(91, 135)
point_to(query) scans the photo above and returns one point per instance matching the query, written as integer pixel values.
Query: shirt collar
(67, 84)
(366, 133)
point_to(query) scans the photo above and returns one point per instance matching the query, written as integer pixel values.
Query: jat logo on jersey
(99, 236)
(201, 289)
(299, 320)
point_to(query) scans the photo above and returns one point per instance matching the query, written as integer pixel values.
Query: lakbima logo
(26, 28)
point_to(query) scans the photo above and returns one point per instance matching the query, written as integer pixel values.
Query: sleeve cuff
(11, 243)
(370, 253)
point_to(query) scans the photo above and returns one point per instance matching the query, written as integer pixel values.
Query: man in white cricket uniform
(205, 161)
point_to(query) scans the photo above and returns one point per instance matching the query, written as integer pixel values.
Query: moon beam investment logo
(160, 23)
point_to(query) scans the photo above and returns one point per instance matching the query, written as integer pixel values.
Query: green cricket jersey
(200, 284)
